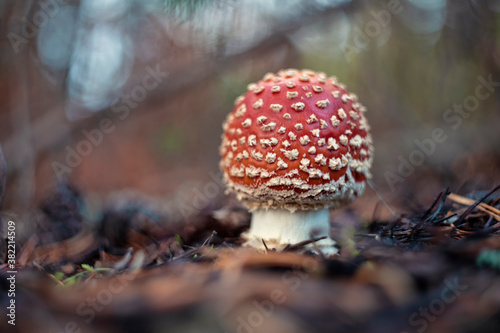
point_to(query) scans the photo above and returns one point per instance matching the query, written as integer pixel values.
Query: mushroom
(296, 144)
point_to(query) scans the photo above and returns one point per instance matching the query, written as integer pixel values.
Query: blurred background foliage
(66, 64)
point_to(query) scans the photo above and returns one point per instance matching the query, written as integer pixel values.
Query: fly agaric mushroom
(296, 144)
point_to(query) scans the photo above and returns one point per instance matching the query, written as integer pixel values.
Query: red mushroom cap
(296, 140)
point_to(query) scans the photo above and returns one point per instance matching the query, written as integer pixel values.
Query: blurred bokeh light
(67, 65)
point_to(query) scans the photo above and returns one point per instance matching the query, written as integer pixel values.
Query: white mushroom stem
(280, 226)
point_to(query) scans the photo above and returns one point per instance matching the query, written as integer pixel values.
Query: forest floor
(436, 270)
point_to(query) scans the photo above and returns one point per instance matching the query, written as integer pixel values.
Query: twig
(490, 210)
(436, 199)
(441, 206)
(381, 198)
(207, 241)
(445, 218)
(471, 208)
(488, 224)
(393, 224)
(303, 243)
(265, 245)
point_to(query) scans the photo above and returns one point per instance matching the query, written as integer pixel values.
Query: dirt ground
(436, 270)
